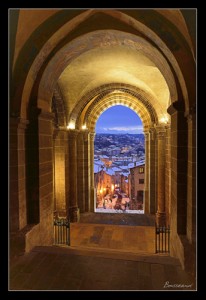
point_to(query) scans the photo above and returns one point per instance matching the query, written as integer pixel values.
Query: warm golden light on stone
(67, 68)
(116, 64)
(71, 126)
(164, 120)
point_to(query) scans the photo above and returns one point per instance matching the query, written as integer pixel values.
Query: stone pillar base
(74, 215)
(161, 219)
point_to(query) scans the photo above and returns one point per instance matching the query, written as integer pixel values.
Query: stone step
(109, 253)
(117, 237)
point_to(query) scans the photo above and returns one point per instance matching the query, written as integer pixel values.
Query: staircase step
(110, 254)
(117, 237)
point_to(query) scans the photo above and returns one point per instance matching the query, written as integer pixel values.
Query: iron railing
(162, 239)
(61, 232)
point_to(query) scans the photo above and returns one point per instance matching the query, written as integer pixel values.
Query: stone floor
(61, 268)
(102, 257)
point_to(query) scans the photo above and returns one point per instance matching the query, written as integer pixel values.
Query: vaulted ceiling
(118, 64)
(83, 52)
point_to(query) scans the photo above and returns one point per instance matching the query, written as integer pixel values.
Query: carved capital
(92, 136)
(177, 106)
(72, 134)
(86, 135)
(18, 123)
(191, 115)
(161, 132)
(46, 115)
(146, 136)
(152, 132)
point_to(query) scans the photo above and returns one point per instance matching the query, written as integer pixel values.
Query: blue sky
(119, 119)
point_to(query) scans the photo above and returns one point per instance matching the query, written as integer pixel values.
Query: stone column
(179, 165)
(55, 135)
(59, 139)
(180, 247)
(92, 137)
(46, 183)
(87, 170)
(146, 178)
(160, 215)
(191, 177)
(80, 173)
(152, 177)
(17, 205)
(73, 207)
(168, 174)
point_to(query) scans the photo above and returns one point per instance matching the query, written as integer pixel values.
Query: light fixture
(164, 120)
(71, 126)
(84, 126)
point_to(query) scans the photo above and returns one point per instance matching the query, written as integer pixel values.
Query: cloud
(121, 129)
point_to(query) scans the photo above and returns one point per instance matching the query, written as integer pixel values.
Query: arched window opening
(119, 161)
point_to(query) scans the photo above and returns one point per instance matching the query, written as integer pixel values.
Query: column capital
(152, 129)
(152, 132)
(46, 115)
(19, 123)
(86, 135)
(146, 134)
(191, 115)
(81, 134)
(177, 106)
(161, 131)
(72, 133)
(92, 136)
(62, 128)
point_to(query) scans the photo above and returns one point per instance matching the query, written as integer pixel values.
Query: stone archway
(155, 139)
(34, 93)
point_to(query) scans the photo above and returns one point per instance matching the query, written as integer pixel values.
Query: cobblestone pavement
(61, 268)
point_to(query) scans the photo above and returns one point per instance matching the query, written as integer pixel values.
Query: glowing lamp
(71, 126)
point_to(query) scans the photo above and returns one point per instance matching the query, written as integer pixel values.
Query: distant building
(136, 184)
(106, 160)
(103, 182)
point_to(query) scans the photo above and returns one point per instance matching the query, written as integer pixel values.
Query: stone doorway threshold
(118, 219)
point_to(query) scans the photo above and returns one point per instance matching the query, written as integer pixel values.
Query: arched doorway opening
(119, 161)
(138, 102)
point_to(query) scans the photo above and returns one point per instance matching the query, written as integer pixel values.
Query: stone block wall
(60, 172)
(168, 176)
(17, 205)
(46, 178)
